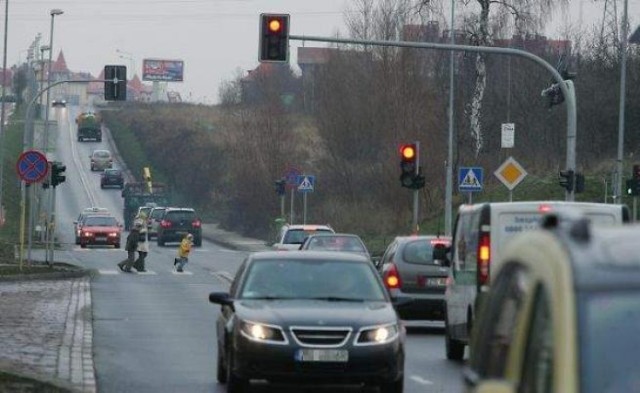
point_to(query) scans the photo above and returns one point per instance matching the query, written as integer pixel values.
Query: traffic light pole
(565, 86)
(416, 204)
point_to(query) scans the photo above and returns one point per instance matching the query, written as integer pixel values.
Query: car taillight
(165, 224)
(392, 278)
(484, 259)
(196, 224)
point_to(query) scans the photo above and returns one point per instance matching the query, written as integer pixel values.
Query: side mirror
(221, 298)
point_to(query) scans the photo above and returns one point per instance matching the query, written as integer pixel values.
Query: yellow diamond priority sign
(510, 173)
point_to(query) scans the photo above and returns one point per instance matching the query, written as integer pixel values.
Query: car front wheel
(221, 371)
(455, 348)
(235, 384)
(392, 387)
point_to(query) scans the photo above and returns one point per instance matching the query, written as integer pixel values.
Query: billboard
(162, 70)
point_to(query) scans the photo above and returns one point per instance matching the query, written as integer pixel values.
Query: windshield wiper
(268, 298)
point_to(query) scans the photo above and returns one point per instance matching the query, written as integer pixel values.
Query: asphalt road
(154, 331)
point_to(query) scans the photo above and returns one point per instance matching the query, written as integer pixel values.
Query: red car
(100, 230)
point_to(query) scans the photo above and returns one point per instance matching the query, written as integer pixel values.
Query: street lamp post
(45, 143)
(43, 49)
(2, 110)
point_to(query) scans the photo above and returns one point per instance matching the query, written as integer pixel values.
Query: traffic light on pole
(408, 156)
(280, 186)
(57, 173)
(274, 38)
(115, 85)
(566, 180)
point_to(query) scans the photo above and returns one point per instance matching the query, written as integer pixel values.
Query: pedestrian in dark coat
(131, 247)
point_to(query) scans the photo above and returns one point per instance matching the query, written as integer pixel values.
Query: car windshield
(608, 334)
(311, 279)
(102, 154)
(112, 172)
(297, 236)
(100, 222)
(336, 243)
(421, 252)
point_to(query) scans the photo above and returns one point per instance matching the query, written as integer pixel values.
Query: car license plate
(101, 239)
(322, 355)
(437, 282)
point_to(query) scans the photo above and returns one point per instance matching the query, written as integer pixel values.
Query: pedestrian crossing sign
(470, 179)
(306, 183)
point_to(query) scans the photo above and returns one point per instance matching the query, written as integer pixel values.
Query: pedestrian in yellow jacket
(183, 252)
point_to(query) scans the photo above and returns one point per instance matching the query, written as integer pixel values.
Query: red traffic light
(408, 152)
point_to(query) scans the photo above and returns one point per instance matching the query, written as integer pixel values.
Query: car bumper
(99, 240)
(367, 364)
(177, 235)
(422, 306)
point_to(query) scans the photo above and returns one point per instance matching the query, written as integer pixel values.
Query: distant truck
(89, 126)
(137, 194)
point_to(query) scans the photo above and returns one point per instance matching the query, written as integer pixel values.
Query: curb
(47, 276)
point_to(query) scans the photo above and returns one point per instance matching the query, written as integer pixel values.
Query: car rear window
(102, 154)
(157, 213)
(421, 251)
(336, 243)
(180, 216)
(297, 236)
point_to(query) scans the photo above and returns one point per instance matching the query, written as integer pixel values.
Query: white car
(292, 236)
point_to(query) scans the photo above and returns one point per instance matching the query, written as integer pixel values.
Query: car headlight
(113, 234)
(264, 333)
(375, 335)
(88, 234)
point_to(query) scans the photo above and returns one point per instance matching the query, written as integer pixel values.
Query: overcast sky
(213, 37)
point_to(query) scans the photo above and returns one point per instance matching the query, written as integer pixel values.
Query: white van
(480, 233)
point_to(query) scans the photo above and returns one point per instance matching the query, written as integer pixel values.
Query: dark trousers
(127, 263)
(139, 263)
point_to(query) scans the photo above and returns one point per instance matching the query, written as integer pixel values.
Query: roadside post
(291, 177)
(32, 167)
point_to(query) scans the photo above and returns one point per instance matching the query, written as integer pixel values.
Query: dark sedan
(112, 177)
(306, 317)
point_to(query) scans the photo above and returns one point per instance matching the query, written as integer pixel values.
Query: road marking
(183, 273)
(421, 380)
(108, 272)
(148, 273)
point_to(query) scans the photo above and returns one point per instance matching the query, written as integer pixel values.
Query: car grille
(321, 337)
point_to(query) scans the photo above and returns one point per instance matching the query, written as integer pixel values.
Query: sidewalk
(46, 330)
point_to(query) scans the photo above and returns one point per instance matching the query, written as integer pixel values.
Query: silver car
(101, 160)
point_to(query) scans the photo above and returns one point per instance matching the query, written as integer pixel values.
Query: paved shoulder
(46, 330)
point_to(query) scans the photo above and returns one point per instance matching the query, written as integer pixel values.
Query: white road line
(420, 380)
(148, 273)
(107, 272)
(184, 273)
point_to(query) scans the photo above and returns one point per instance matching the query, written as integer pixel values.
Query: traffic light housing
(280, 186)
(274, 38)
(115, 85)
(410, 175)
(632, 187)
(566, 180)
(57, 173)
